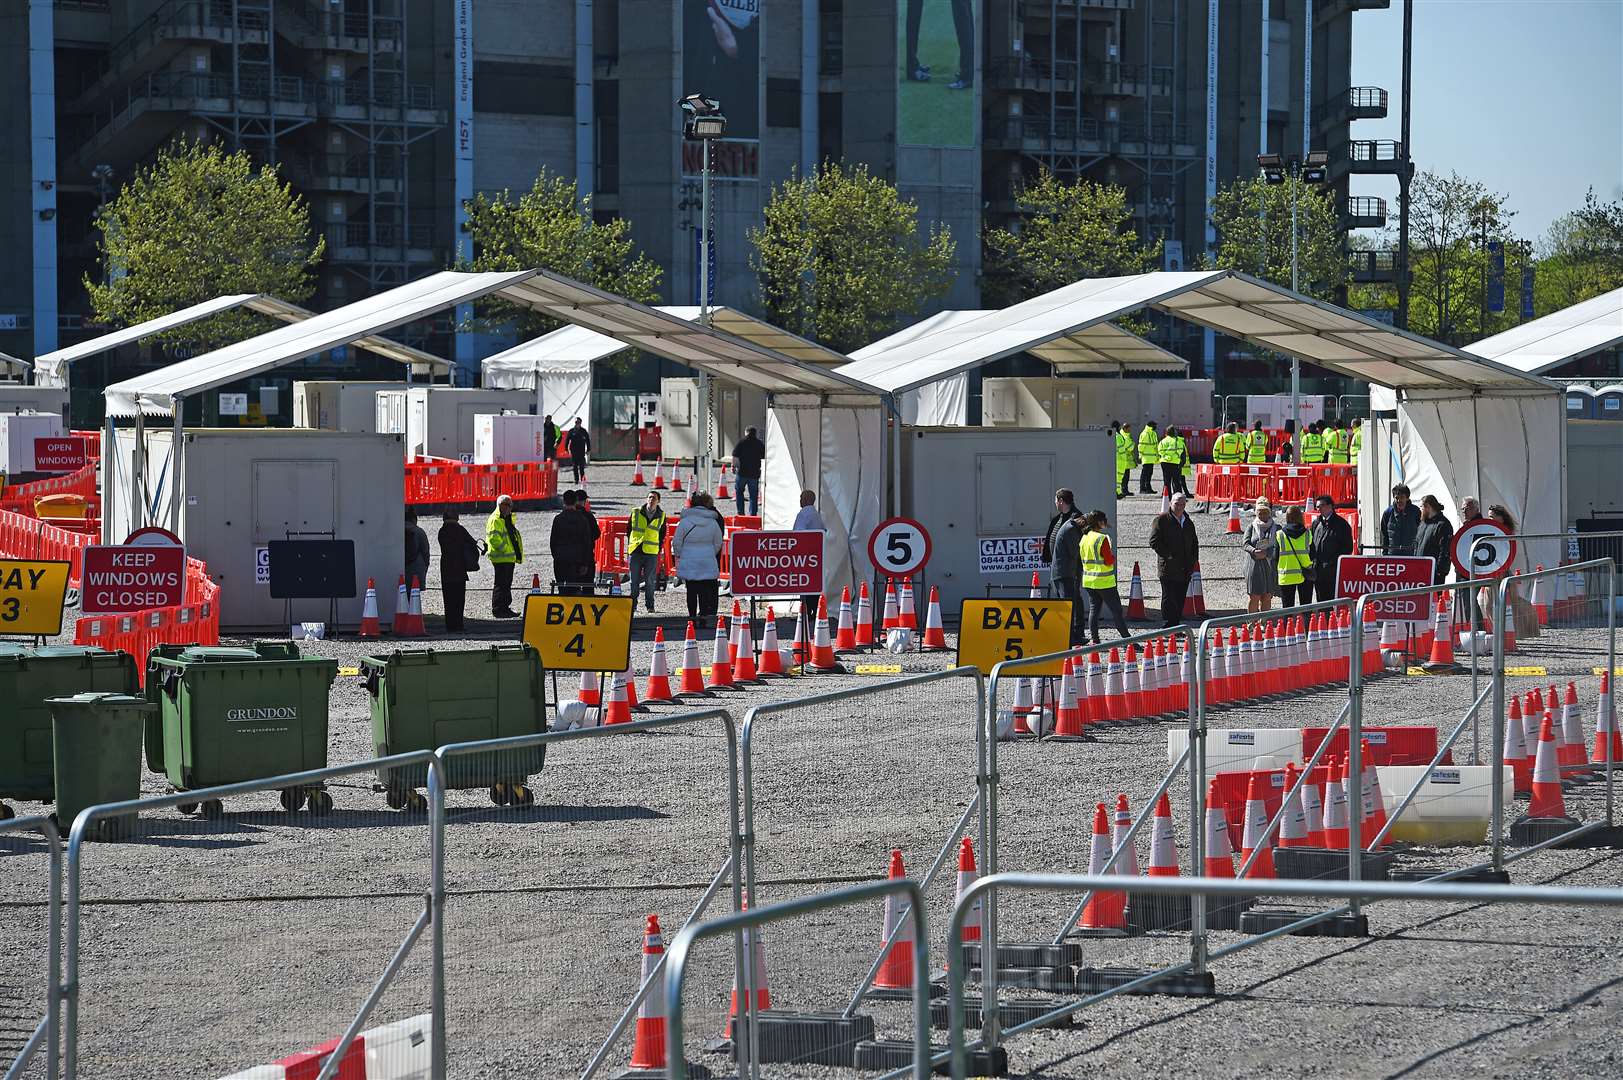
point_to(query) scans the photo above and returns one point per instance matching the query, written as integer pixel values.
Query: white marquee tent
(1562, 336)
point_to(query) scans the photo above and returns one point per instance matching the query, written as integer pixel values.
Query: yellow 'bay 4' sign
(992, 631)
(579, 633)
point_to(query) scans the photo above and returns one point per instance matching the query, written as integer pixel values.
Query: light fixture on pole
(1312, 169)
(702, 120)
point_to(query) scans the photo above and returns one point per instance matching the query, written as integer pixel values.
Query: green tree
(1580, 255)
(1253, 221)
(840, 257)
(551, 227)
(1067, 232)
(196, 224)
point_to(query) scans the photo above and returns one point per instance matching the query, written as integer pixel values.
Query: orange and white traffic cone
(1256, 838)
(369, 611)
(800, 644)
(1023, 708)
(1293, 825)
(1541, 606)
(676, 474)
(744, 664)
(771, 651)
(636, 477)
(846, 638)
(590, 695)
(415, 610)
(629, 677)
(402, 610)
(1105, 910)
(966, 877)
(1546, 801)
(756, 948)
(735, 631)
(648, 1049)
(1313, 812)
(1127, 860)
(1135, 596)
(1375, 815)
(659, 672)
(1571, 721)
(1515, 751)
(907, 616)
(823, 658)
(1442, 642)
(1068, 720)
(896, 970)
(1233, 528)
(935, 634)
(1115, 688)
(721, 661)
(1335, 804)
(1219, 862)
(692, 672)
(892, 617)
(721, 484)
(1163, 841)
(1606, 732)
(1194, 603)
(864, 618)
(619, 709)
(1166, 500)
(659, 474)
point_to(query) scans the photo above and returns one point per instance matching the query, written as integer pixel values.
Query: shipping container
(510, 437)
(734, 409)
(17, 434)
(338, 406)
(1043, 402)
(439, 420)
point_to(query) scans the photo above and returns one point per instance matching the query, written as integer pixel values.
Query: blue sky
(1523, 95)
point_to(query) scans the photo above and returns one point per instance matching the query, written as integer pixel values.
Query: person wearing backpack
(459, 557)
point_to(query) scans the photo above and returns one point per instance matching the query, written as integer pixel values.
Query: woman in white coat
(697, 547)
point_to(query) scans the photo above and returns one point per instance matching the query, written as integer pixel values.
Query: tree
(196, 224)
(1581, 255)
(1069, 231)
(1253, 221)
(551, 227)
(839, 256)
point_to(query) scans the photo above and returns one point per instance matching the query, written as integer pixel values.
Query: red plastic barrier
(1387, 745)
(433, 481)
(20, 498)
(24, 537)
(92, 443)
(1280, 484)
(613, 557)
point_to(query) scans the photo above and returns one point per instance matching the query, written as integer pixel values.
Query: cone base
(1528, 830)
(1329, 863)
(813, 1038)
(888, 1055)
(1265, 920)
(1482, 875)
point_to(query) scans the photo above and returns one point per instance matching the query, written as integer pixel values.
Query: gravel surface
(212, 945)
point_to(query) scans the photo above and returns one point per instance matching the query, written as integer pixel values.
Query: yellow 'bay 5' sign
(31, 595)
(579, 633)
(992, 631)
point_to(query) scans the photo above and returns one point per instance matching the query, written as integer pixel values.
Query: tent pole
(179, 407)
(138, 502)
(109, 444)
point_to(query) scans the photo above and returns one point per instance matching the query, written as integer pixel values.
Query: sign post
(32, 593)
(992, 631)
(1358, 575)
(579, 633)
(776, 563)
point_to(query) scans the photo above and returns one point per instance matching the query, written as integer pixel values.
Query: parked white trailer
(509, 438)
(438, 420)
(338, 406)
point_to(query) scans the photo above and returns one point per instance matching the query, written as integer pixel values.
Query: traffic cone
(907, 617)
(636, 477)
(935, 635)
(966, 877)
(1335, 805)
(1068, 720)
(1509, 629)
(659, 674)
(1135, 596)
(1037, 590)
(799, 643)
(369, 611)
(676, 474)
(1546, 801)
(1442, 643)
(535, 585)
(619, 710)
(1132, 687)
(864, 618)
(1233, 528)
(1219, 861)
(416, 609)
(896, 970)
(1515, 749)
(1166, 500)
(648, 1050)
(735, 632)
(1375, 812)
(1023, 708)
(1092, 691)
(1293, 831)
(1195, 602)
(1256, 837)
(721, 663)
(1572, 727)
(1541, 606)
(1104, 910)
(822, 650)
(891, 617)
(692, 673)
(721, 484)
(771, 651)
(758, 977)
(1163, 841)
(744, 664)
(1115, 688)
(629, 677)
(659, 474)
(590, 695)
(1313, 813)
(1606, 732)
(402, 610)
(1127, 861)
(846, 639)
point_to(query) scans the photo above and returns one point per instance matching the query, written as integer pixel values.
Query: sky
(1524, 95)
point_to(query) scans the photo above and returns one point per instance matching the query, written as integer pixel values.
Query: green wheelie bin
(423, 699)
(27, 678)
(96, 738)
(231, 715)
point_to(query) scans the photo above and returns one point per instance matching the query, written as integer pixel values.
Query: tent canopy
(1101, 349)
(1229, 302)
(1559, 337)
(52, 365)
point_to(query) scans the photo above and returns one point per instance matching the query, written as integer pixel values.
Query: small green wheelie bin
(231, 715)
(27, 678)
(96, 739)
(423, 699)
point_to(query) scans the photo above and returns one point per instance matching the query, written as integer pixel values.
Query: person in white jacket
(697, 547)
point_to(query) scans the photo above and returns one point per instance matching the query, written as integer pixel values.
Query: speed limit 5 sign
(1490, 557)
(899, 547)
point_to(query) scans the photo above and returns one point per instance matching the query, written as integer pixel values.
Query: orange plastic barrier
(614, 560)
(20, 497)
(92, 443)
(431, 481)
(24, 537)
(1282, 484)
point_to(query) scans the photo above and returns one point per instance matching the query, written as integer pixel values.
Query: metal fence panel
(30, 965)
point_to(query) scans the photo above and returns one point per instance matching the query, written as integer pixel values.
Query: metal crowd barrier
(47, 1032)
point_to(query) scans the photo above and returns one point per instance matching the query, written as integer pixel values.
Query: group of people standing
(1145, 451)
(1082, 567)
(1291, 559)
(1407, 529)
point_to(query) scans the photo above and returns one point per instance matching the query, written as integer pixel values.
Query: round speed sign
(1491, 557)
(898, 547)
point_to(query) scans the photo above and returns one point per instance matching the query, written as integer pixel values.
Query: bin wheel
(320, 802)
(417, 802)
(113, 829)
(186, 807)
(292, 799)
(500, 795)
(522, 795)
(6, 812)
(212, 808)
(398, 799)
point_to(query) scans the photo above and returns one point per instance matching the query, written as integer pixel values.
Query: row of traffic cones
(1530, 717)
(408, 611)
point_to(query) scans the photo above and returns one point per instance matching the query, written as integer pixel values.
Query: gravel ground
(211, 945)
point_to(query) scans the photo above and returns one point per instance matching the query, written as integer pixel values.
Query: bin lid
(70, 650)
(11, 648)
(217, 654)
(102, 698)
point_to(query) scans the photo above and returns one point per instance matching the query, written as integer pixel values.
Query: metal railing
(1374, 150)
(48, 1031)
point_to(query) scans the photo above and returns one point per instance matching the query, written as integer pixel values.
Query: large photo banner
(935, 96)
(721, 59)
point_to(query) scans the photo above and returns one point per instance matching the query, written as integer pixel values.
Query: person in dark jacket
(579, 441)
(1399, 523)
(549, 435)
(573, 543)
(1435, 538)
(747, 458)
(459, 555)
(1329, 539)
(1061, 553)
(1177, 550)
(417, 552)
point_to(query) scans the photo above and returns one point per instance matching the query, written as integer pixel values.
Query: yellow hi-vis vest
(1168, 450)
(1096, 573)
(1293, 560)
(1356, 445)
(1124, 452)
(1312, 448)
(1337, 442)
(1256, 448)
(1229, 448)
(499, 546)
(1147, 445)
(645, 533)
